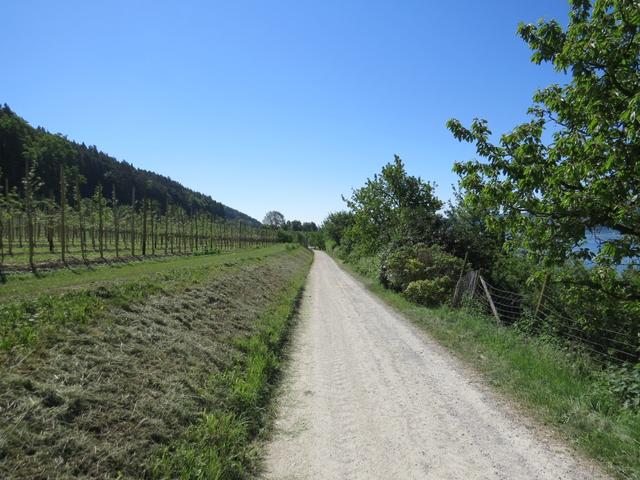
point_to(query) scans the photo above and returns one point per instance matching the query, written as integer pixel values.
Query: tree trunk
(63, 207)
(133, 221)
(144, 225)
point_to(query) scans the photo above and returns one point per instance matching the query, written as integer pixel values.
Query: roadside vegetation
(160, 368)
(549, 218)
(556, 383)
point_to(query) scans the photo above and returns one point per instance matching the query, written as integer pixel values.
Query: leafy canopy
(548, 195)
(274, 219)
(393, 206)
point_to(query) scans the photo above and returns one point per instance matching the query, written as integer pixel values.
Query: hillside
(17, 136)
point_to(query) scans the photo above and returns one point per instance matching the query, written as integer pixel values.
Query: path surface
(367, 396)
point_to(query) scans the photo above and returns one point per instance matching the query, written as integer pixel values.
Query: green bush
(401, 266)
(429, 293)
(624, 382)
(367, 266)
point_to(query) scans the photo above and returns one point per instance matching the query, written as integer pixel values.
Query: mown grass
(219, 445)
(33, 308)
(164, 371)
(563, 389)
(26, 284)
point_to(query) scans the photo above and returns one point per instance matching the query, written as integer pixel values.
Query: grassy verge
(120, 372)
(560, 388)
(219, 445)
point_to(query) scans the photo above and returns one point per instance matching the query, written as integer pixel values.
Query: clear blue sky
(272, 104)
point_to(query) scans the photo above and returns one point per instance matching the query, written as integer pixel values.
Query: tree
(393, 206)
(464, 233)
(336, 224)
(309, 227)
(295, 225)
(547, 196)
(31, 183)
(274, 219)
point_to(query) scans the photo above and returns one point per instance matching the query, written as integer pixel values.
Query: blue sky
(272, 104)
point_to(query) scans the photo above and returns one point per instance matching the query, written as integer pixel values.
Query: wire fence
(542, 314)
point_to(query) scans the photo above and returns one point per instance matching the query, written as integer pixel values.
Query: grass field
(157, 368)
(45, 260)
(560, 388)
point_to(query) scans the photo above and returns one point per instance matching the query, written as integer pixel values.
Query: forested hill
(53, 150)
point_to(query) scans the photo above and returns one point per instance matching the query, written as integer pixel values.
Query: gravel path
(368, 396)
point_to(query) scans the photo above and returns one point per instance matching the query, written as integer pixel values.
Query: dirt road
(367, 396)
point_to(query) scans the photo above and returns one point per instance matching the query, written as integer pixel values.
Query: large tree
(547, 195)
(274, 219)
(336, 224)
(393, 207)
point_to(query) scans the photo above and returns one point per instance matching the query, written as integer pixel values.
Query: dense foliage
(392, 207)
(550, 195)
(426, 275)
(527, 207)
(394, 231)
(18, 138)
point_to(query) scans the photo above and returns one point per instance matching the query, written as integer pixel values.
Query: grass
(562, 389)
(74, 297)
(27, 284)
(45, 260)
(218, 445)
(154, 368)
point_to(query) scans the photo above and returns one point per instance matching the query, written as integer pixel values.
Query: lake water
(594, 240)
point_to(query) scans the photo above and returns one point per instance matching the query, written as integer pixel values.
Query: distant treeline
(53, 150)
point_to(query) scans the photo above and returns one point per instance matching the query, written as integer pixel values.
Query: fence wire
(605, 344)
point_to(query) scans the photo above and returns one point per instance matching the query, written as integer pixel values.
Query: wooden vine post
(166, 229)
(100, 200)
(63, 207)
(153, 230)
(144, 224)
(50, 212)
(133, 221)
(29, 200)
(116, 219)
(10, 219)
(83, 239)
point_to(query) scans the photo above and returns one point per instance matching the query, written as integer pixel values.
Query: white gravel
(369, 396)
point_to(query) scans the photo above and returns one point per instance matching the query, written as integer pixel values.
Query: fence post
(488, 294)
(63, 206)
(456, 293)
(473, 284)
(133, 221)
(541, 295)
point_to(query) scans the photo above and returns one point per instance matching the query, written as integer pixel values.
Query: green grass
(561, 388)
(159, 368)
(219, 446)
(74, 297)
(44, 259)
(27, 284)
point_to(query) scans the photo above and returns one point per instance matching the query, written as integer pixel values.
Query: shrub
(624, 382)
(428, 292)
(367, 266)
(401, 266)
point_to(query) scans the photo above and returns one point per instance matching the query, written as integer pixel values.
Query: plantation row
(37, 231)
